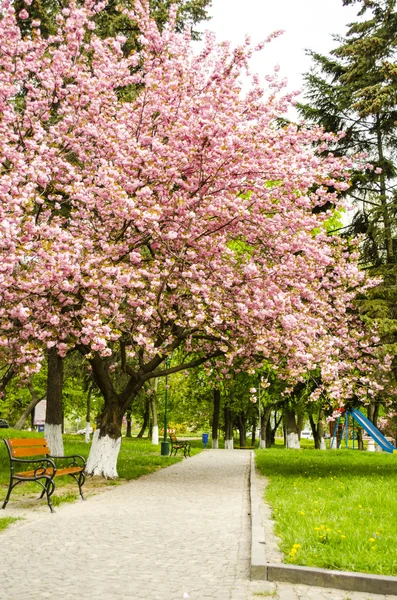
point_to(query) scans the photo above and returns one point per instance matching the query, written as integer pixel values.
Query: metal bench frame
(176, 445)
(46, 468)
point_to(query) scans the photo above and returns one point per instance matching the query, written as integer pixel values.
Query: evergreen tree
(354, 90)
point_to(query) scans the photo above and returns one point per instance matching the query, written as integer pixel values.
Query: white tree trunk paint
(262, 444)
(102, 459)
(322, 444)
(293, 441)
(155, 435)
(229, 444)
(378, 448)
(215, 444)
(87, 432)
(53, 435)
(371, 445)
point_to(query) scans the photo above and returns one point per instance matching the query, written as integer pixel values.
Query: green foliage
(334, 510)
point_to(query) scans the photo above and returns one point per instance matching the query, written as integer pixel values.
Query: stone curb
(265, 571)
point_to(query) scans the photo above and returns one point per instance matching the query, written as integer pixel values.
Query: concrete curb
(266, 571)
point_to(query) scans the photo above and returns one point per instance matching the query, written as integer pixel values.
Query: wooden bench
(43, 466)
(176, 445)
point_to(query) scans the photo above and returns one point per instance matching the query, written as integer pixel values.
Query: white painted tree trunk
(215, 444)
(87, 432)
(378, 448)
(322, 444)
(293, 441)
(262, 444)
(371, 445)
(155, 434)
(229, 444)
(53, 435)
(102, 459)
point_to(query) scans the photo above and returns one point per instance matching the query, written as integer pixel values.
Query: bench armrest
(72, 456)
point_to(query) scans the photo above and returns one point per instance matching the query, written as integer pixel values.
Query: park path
(182, 532)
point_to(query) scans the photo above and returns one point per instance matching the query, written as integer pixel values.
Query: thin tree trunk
(53, 421)
(128, 433)
(215, 418)
(145, 421)
(29, 409)
(88, 416)
(383, 198)
(253, 432)
(229, 442)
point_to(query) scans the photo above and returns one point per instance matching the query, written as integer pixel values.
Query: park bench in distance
(44, 467)
(176, 445)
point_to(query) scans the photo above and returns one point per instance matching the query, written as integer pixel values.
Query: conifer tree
(354, 90)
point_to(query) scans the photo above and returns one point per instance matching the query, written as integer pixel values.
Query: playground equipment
(369, 427)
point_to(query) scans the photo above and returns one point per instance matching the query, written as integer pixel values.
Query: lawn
(334, 509)
(137, 457)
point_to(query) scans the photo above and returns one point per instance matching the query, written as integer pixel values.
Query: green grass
(334, 509)
(6, 521)
(137, 457)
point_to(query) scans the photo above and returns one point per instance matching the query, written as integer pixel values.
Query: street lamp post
(165, 445)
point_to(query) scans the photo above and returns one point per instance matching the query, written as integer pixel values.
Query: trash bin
(205, 439)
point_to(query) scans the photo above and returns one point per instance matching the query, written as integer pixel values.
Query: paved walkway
(182, 532)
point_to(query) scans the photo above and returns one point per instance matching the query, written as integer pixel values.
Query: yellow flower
(302, 512)
(373, 547)
(359, 506)
(371, 540)
(317, 528)
(296, 546)
(343, 537)
(329, 530)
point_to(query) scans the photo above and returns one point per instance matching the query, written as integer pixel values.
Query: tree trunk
(129, 424)
(242, 430)
(373, 413)
(383, 198)
(318, 432)
(292, 437)
(360, 441)
(229, 442)
(253, 433)
(106, 442)
(29, 409)
(215, 418)
(53, 421)
(88, 417)
(300, 420)
(153, 408)
(145, 421)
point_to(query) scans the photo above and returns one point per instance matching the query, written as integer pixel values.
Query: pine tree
(354, 90)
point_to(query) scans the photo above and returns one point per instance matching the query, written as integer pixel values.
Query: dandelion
(343, 537)
(372, 540)
(302, 512)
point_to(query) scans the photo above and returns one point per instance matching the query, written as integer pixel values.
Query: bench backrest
(19, 448)
(173, 437)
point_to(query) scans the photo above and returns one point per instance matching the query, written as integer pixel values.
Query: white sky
(307, 24)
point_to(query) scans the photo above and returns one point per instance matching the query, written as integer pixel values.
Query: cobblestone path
(180, 533)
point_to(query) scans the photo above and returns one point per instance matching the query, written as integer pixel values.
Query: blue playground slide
(372, 431)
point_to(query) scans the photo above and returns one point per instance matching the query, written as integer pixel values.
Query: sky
(307, 24)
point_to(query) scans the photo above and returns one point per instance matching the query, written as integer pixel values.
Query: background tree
(354, 91)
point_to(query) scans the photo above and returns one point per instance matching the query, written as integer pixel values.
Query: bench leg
(8, 493)
(80, 482)
(49, 488)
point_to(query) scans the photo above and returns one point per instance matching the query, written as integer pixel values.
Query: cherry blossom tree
(184, 218)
